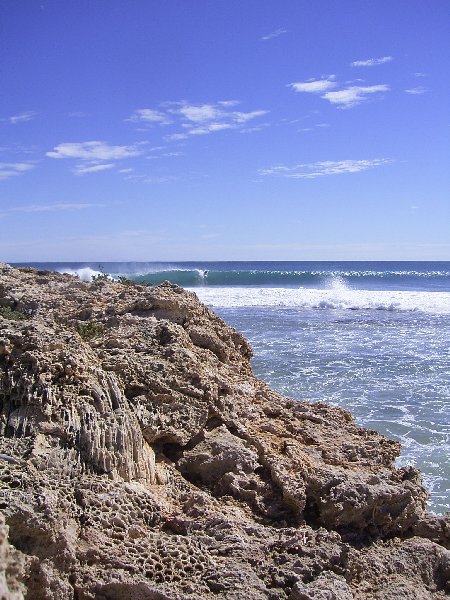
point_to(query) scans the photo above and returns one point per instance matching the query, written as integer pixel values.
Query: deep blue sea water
(372, 337)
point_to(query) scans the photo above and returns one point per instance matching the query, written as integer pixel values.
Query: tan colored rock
(140, 458)
(10, 567)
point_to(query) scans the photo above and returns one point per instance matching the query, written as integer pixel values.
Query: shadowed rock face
(140, 458)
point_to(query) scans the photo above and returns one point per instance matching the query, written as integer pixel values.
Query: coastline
(140, 432)
(369, 337)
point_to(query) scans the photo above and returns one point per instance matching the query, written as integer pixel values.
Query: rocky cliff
(141, 459)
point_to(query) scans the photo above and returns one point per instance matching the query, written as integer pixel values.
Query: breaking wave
(155, 274)
(336, 297)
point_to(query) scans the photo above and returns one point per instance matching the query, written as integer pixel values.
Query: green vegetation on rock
(12, 315)
(90, 329)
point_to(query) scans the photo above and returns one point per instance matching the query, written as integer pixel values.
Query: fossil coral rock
(140, 458)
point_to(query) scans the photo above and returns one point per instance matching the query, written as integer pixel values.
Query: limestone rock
(328, 586)
(141, 458)
(10, 567)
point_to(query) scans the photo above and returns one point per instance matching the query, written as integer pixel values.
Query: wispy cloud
(164, 155)
(210, 118)
(273, 34)
(353, 95)
(94, 150)
(18, 149)
(8, 170)
(255, 128)
(371, 62)
(314, 86)
(154, 179)
(324, 168)
(314, 126)
(58, 207)
(95, 156)
(210, 114)
(416, 91)
(83, 169)
(344, 98)
(196, 119)
(21, 118)
(200, 113)
(149, 116)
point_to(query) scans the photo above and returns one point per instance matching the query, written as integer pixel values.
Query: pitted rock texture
(140, 458)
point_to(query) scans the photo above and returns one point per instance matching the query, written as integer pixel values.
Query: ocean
(371, 337)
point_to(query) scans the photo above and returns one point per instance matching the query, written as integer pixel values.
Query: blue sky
(224, 130)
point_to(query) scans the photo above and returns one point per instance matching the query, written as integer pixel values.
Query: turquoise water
(372, 337)
(428, 276)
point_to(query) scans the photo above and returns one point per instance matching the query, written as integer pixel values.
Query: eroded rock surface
(140, 458)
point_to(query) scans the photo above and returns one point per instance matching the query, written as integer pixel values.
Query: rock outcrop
(141, 459)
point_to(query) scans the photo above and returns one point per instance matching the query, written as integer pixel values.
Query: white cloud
(228, 103)
(210, 128)
(8, 170)
(148, 115)
(95, 156)
(314, 86)
(198, 119)
(83, 169)
(371, 62)
(95, 151)
(273, 34)
(241, 117)
(417, 90)
(22, 117)
(353, 95)
(216, 116)
(210, 118)
(324, 168)
(200, 113)
(176, 137)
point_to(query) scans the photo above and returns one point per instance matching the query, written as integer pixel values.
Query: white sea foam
(337, 297)
(84, 273)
